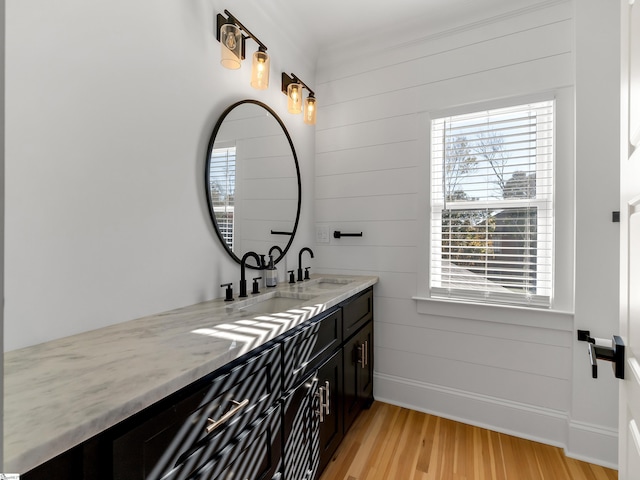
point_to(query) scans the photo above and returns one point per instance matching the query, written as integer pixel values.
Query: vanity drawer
(357, 312)
(310, 346)
(254, 454)
(170, 437)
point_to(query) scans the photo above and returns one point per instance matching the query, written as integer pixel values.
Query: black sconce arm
(221, 21)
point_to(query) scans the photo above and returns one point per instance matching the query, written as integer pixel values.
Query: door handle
(614, 353)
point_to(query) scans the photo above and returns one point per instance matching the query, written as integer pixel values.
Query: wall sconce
(292, 87)
(232, 44)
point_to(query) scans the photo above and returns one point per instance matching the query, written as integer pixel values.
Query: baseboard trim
(593, 443)
(590, 443)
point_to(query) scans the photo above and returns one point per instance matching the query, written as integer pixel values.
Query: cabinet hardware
(213, 424)
(328, 395)
(366, 353)
(363, 354)
(320, 394)
(323, 400)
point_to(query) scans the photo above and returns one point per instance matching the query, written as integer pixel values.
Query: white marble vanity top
(63, 392)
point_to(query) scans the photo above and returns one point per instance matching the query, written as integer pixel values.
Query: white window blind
(492, 205)
(222, 186)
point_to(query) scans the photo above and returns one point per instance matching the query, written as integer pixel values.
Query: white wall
(507, 369)
(2, 123)
(109, 110)
(597, 195)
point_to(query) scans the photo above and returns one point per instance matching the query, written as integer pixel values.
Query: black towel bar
(338, 234)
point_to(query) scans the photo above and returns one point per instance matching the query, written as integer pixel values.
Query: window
(492, 205)
(222, 186)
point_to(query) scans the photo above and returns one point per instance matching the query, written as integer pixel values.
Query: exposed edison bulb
(230, 41)
(231, 46)
(310, 110)
(260, 70)
(294, 96)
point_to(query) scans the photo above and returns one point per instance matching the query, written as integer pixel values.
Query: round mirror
(253, 181)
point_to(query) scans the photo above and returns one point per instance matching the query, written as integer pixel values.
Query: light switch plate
(322, 234)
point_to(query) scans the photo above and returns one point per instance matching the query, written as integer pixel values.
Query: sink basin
(330, 283)
(274, 303)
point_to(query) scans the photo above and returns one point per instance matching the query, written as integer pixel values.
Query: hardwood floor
(394, 443)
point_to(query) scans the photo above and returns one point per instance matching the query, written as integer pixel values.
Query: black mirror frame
(206, 176)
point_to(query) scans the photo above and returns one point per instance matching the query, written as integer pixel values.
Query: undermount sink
(273, 303)
(329, 283)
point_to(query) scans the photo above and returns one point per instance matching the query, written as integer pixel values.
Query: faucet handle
(255, 285)
(292, 277)
(228, 292)
(306, 273)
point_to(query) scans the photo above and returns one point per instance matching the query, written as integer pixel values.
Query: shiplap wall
(505, 369)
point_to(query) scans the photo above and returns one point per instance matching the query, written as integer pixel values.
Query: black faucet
(305, 249)
(243, 280)
(275, 247)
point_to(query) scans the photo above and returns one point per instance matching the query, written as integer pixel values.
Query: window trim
(563, 266)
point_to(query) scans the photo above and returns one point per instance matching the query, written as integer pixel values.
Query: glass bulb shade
(294, 96)
(310, 111)
(231, 46)
(260, 70)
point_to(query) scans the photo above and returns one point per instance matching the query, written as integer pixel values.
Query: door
(629, 407)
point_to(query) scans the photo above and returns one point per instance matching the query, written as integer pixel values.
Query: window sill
(512, 315)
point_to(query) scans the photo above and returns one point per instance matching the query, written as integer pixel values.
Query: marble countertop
(60, 393)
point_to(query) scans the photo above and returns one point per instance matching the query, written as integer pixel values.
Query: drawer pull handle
(323, 400)
(320, 395)
(327, 393)
(366, 353)
(213, 424)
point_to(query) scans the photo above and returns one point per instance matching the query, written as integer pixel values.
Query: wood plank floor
(393, 443)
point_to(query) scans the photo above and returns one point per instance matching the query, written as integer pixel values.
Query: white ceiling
(328, 23)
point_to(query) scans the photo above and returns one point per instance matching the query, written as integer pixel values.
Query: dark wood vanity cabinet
(339, 364)
(313, 396)
(200, 436)
(277, 413)
(313, 421)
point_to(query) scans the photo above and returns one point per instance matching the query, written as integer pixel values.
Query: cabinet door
(313, 421)
(300, 447)
(330, 409)
(358, 374)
